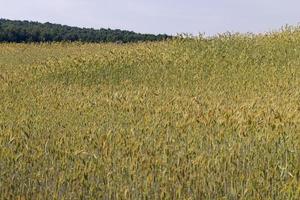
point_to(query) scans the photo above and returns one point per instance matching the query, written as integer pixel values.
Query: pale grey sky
(159, 16)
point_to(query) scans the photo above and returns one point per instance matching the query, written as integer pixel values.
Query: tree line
(27, 31)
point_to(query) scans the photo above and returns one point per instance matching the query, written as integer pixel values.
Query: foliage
(214, 118)
(25, 31)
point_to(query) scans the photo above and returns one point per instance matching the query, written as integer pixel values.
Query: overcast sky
(159, 16)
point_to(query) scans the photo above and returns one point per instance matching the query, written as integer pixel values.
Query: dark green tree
(25, 31)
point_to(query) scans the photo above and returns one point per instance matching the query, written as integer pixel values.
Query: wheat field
(187, 118)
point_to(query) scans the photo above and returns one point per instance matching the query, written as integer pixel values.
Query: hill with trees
(27, 31)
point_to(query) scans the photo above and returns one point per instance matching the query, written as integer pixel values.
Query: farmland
(202, 118)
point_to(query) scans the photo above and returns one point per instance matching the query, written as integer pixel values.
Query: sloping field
(199, 118)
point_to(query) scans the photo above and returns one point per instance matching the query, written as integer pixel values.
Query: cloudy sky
(160, 16)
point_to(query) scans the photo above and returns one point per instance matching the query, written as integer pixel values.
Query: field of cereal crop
(206, 118)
